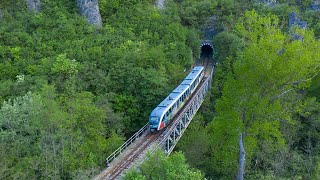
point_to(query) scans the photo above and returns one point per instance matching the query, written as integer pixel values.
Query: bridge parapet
(125, 145)
(174, 133)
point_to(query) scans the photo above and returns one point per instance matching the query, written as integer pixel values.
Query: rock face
(90, 9)
(294, 20)
(269, 2)
(315, 6)
(33, 5)
(160, 4)
(1, 14)
(210, 27)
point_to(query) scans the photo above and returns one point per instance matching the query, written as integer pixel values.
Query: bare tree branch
(283, 93)
(242, 158)
(305, 80)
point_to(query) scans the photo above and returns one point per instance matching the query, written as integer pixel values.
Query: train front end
(154, 123)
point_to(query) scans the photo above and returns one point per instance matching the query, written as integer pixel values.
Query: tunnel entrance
(206, 51)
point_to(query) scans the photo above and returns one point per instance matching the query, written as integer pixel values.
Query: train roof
(187, 82)
(169, 100)
(194, 73)
(177, 92)
(198, 68)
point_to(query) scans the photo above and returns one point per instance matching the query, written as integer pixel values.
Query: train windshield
(154, 120)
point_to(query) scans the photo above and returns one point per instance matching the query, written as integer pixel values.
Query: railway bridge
(133, 152)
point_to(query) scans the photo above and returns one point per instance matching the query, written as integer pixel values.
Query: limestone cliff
(33, 5)
(90, 10)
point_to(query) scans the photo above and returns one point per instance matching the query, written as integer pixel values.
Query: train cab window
(154, 119)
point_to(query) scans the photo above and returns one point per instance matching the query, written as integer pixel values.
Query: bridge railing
(125, 145)
(203, 87)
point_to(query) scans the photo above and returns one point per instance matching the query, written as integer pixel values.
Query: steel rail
(125, 145)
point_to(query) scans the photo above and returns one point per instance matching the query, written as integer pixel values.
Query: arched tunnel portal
(206, 50)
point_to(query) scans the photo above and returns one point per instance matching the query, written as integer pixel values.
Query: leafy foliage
(261, 81)
(72, 92)
(158, 166)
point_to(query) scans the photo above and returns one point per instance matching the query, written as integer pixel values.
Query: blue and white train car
(164, 112)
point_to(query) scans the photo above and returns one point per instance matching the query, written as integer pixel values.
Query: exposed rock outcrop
(210, 27)
(315, 6)
(90, 9)
(33, 5)
(294, 20)
(269, 2)
(160, 4)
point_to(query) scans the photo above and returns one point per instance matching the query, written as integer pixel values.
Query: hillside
(78, 78)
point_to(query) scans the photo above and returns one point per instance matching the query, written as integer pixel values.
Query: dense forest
(72, 91)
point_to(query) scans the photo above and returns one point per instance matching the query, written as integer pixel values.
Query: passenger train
(163, 113)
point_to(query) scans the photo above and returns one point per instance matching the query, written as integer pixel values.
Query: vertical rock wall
(33, 5)
(160, 4)
(294, 20)
(315, 6)
(1, 14)
(269, 2)
(90, 9)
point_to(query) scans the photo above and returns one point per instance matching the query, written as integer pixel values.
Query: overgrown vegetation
(266, 89)
(71, 93)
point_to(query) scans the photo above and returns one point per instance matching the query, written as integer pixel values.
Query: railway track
(135, 153)
(149, 141)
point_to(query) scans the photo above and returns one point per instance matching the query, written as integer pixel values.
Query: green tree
(19, 135)
(261, 92)
(158, 166)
